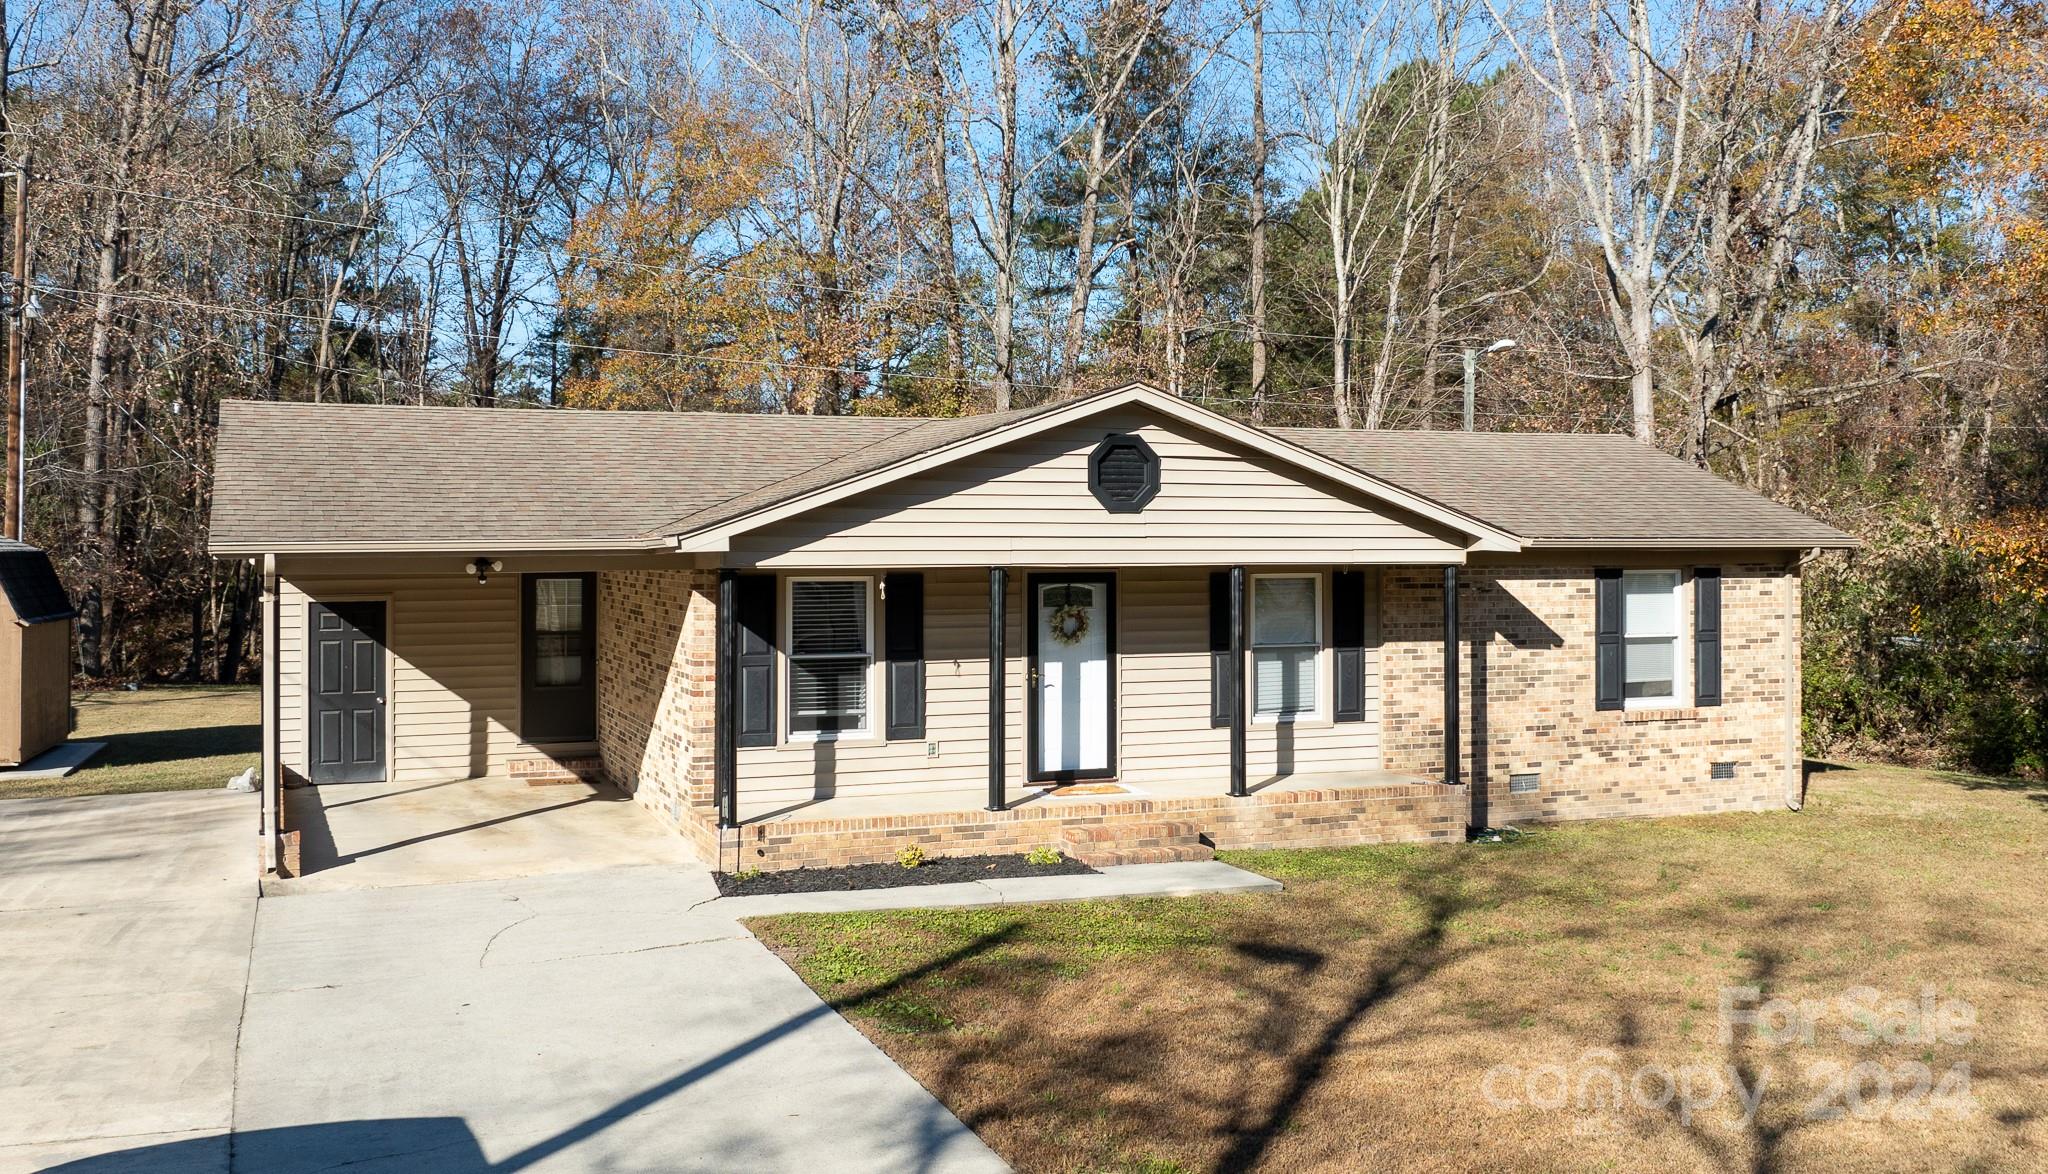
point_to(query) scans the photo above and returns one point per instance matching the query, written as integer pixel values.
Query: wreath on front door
(1069, 624)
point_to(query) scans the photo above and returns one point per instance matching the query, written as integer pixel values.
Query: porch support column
(998, 594)
(1237, 691)
(268, 828)
(725, 771)
(1453, 773)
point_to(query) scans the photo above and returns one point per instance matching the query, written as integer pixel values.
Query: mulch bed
(939, 870)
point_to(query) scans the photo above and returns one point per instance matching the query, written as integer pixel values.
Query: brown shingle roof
(1572, 488)
(360, 477)
(338, 477)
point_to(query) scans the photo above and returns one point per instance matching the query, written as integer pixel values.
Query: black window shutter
(1219, 648)
(1706, 635)
(1347, 641)
(754, 691)
(1607, 638)
(903, 621)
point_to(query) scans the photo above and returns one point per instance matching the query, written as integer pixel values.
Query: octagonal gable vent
(1123, 473)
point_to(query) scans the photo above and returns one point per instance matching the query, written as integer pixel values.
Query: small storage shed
(35, 654)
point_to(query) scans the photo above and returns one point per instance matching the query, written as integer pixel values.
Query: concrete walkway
(159, 1018)
(1127, 880)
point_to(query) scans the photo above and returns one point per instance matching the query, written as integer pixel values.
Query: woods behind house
(1801, 243)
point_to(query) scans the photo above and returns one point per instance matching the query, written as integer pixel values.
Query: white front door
(1072, 701)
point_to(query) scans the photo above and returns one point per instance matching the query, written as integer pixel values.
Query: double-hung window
(831, 652)
(1287, 641)
(1650, 638)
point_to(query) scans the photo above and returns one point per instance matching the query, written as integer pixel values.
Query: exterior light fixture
(482, 568)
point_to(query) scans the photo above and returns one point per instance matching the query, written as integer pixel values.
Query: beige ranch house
(1122, 625)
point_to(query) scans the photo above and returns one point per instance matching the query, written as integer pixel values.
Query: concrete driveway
(125, 925)
(609, 1019)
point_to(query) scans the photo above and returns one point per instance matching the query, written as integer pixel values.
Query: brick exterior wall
(1527, 668)
(656, 650)
(1321, 818)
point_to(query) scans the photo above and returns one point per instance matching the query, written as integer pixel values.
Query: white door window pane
(829, 657)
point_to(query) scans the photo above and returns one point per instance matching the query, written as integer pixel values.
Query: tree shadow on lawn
(2034, 789)
(1304, 1006)
(162, 746)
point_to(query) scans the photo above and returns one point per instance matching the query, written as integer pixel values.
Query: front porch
(1302, 811)
(1185, 720)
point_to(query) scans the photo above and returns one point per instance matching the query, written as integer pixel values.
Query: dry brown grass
(1349, 1022)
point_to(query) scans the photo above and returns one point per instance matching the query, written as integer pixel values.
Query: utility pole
(16, 389)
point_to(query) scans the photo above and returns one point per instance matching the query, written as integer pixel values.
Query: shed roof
(356, 478)
(30, 584)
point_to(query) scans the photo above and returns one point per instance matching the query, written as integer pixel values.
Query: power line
(1219, 326)
(601, 348)
(1299, 399)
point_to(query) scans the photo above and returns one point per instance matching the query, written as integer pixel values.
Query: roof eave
(484, 545)
(1680, 542)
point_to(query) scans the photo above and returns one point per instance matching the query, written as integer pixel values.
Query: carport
(381, 834)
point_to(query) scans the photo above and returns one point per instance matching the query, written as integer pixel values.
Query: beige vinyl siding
(1163, 730)
(956, 709)
(452, 667)
(1028, 503)
(1163, 679)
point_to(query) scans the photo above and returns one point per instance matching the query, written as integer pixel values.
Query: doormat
(1075, 790)
(556, 781)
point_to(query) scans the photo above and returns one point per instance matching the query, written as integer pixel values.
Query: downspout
(1795, 771)
(267, 828)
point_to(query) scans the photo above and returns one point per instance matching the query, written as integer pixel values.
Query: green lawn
(177, 738)
(1426, 1008)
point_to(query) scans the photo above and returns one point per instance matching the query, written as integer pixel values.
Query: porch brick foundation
(1527, 676)
(1270, 819)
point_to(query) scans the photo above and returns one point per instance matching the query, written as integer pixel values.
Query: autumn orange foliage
(2014, 548)
(1958, 90)
(669, 269)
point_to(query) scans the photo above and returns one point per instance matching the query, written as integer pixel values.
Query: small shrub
(1043, 856)
(747, 874)
(911, 856)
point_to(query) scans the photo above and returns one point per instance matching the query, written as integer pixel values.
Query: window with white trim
(1287, 645)
(1651, 638)
(831, 653)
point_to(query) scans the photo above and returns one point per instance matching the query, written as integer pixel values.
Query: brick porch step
(1105, 845)
(540, 770)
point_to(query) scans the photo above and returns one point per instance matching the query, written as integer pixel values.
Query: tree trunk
(1261, 356)
(1084, 260)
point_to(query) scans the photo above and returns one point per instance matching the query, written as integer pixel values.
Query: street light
(1472, 373)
